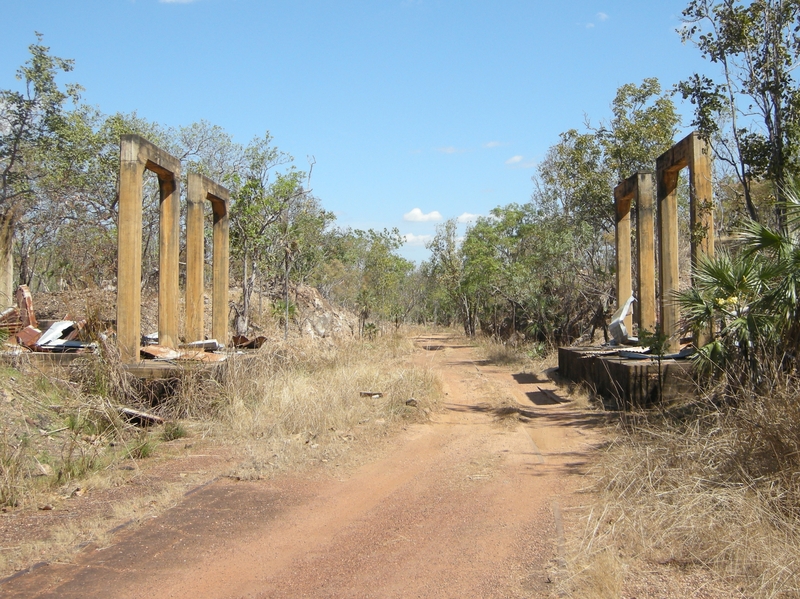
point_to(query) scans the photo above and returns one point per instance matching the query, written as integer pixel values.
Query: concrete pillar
(136, 156)
(701, 206)
(195, 259)
(219, 305)
(701, 212)
(169, 259)
(623, 239)
(645, 242)
(129, 250)
(668, 252)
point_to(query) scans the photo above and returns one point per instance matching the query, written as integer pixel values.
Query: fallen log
(142, 418)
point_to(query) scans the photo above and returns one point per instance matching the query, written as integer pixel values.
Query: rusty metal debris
(20, 324)
(242, 342)
(206, 345)
(62, 337)
(159, 352)
(28, 337)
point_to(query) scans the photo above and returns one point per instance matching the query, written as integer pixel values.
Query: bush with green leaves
(747, 299)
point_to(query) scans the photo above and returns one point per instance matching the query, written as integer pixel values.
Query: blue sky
(415, 110)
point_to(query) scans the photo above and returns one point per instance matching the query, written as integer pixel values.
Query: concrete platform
(625, 383)
(52, 362)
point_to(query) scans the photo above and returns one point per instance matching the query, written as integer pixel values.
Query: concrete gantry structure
(136, 156)
(694, 153)
(636, 189)
(200, 190)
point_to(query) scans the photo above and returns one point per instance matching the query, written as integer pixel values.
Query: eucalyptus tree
(751, 111)
(31, 120)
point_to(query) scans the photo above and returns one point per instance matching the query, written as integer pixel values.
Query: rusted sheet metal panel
(159, 352)
(28, 336)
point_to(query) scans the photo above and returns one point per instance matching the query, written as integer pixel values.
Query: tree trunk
(7, 258)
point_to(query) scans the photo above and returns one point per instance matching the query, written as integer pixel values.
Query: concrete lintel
(678, 156)
(626, 190)
(137, 148)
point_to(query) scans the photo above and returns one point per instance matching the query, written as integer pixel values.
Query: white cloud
(450, 150)
(467, 217)
(417, 240)
(417, 216)
(589, 25)
(520, 162)
(493, 144)
(601, 16)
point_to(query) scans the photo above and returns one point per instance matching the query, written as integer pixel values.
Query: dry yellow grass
(698, 488)
(289, 406)
(297, 404)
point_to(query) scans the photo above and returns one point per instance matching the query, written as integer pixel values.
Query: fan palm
(748, 299)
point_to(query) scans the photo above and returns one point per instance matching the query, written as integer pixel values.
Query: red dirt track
(462, 506)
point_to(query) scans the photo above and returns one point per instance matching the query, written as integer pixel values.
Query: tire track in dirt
(462, 506)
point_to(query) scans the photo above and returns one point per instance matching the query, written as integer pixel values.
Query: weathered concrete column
(701, 206)
(169, 260)
(623, 239)
(668, 253)
(136, 156)
(219, 304)
(7, 288)
(195, 259)
(129, 250)
(646, 251)
(203, 189)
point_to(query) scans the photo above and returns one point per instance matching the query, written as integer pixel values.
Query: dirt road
(464, 506)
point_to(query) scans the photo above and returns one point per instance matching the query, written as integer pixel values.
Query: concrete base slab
(625, 383)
